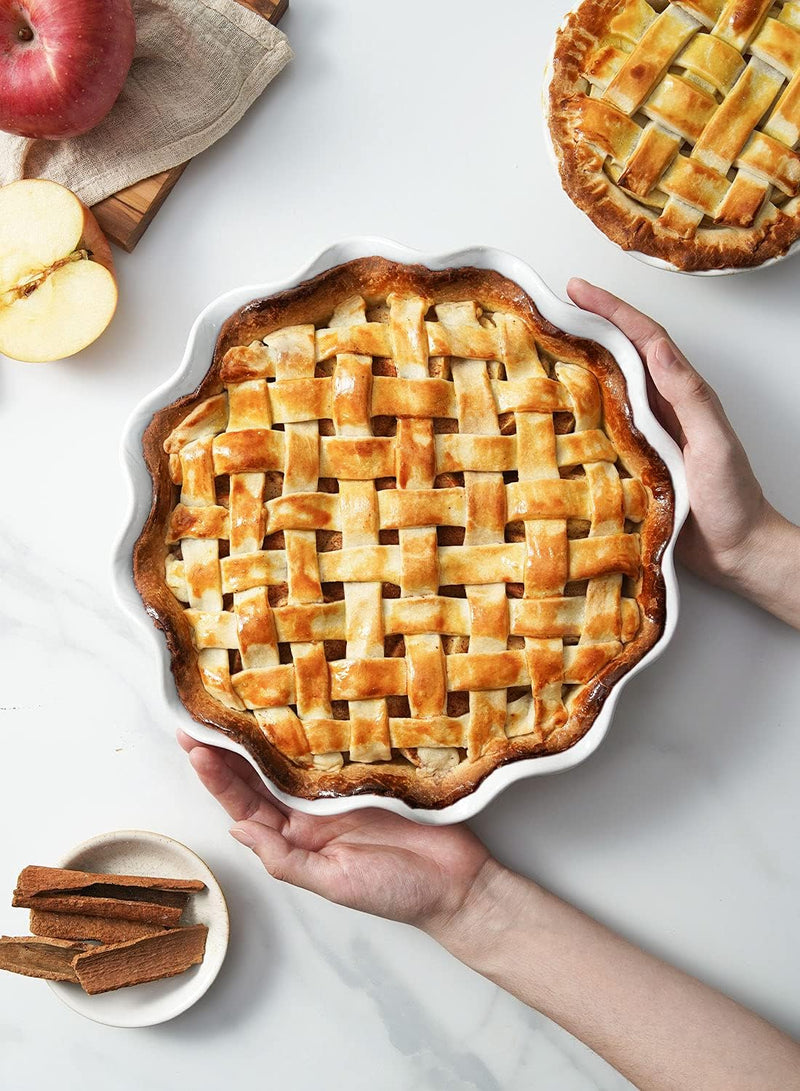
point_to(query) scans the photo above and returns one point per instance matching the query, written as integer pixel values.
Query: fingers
(239, 765)
(694, 404)
(260, 822)
(283, 860)
(637, 327)
(686, 405)
(241, 800)
(186, 742)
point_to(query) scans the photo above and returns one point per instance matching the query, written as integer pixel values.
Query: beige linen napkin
(199, 65)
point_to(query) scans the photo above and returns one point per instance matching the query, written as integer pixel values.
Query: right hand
(369, 859)
(730, 518)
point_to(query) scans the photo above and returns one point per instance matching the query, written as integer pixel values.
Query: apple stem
(25, 34)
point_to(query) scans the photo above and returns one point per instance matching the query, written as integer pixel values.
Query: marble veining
(681, 831)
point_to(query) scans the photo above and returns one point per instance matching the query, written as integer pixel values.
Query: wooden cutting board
(124, 216)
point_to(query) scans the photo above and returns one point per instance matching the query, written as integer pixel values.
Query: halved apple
(57, 286)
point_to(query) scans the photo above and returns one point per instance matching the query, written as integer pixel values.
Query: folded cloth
(199, 65)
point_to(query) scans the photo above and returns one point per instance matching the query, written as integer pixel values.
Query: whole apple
(62, 63)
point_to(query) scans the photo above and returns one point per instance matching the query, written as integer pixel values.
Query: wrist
(766, 567)
(733, 566)
(497, 900)
(748, 569)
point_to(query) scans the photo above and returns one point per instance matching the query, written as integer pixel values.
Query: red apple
(62, 63)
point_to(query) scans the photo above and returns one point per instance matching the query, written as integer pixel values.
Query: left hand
(729, 515)
(369, 859)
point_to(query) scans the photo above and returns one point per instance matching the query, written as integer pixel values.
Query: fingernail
(242, 836)
(665, 354)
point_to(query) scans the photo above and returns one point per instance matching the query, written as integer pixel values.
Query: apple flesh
(57, 286)
(62, 64)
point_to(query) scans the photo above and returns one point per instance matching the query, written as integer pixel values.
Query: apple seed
(28, 287)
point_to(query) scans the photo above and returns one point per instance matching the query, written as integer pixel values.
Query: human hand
(730, 520)
(370, 859)
(628, 1006)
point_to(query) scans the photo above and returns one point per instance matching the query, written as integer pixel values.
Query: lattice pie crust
(676, 125)
(403, 532)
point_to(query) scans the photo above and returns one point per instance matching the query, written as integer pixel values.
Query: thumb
(693, 402)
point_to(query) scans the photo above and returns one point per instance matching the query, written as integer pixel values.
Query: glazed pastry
(404, 531)
(676, 126)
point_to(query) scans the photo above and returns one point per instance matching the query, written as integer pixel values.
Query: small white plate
(138, 852)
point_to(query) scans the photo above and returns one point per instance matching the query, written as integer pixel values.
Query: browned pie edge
(619, 217)
(314, 301)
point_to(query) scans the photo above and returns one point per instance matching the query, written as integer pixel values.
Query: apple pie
(405, 531)
(676, 126)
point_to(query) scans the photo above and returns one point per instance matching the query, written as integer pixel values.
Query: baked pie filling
(404, 531)
(676, 125)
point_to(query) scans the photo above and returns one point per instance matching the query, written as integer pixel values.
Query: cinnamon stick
(44, 922)
(167, 916)
(35, 956)
(36, 879)
(118, 965)
(175, 898)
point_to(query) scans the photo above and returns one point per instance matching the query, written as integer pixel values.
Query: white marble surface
(421, 124)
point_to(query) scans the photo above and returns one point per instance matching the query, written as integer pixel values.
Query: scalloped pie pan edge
(194, 365)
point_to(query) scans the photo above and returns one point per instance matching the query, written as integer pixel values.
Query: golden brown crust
(314, 301)
(749, 230)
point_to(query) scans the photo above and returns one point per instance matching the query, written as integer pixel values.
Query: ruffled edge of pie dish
(315, 299)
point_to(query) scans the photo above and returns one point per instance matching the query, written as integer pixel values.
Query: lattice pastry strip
(352, 382)
(249, 408)
(201, 566)
(484, 525)
(546, 542)
(602, 625)
(537, 498)
(476, 565)
(538, 618)
(416, 470)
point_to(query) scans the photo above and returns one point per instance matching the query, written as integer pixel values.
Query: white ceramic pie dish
(193, 367)
(647, 259)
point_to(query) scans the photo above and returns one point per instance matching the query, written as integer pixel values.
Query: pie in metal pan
(404, 534)
(676, 125)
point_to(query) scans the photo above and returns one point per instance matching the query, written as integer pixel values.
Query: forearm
(659, 1027)
(769, 571)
